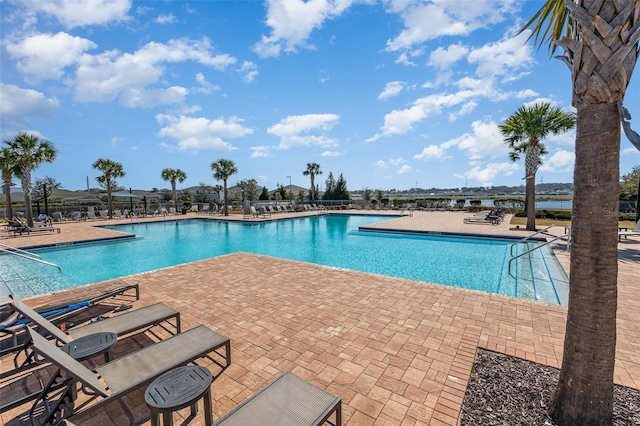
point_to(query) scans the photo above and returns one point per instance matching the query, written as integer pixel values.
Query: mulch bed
(505, 390)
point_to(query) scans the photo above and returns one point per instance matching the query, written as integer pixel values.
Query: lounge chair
(633, 233)
(14, 325)
(18, 226)
(56, 217)
(91, 215)
(104, 215)
(120, 325)
(122, 375)
(286, 400)
(493, 217)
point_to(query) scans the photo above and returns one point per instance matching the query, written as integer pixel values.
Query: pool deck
(396, 351)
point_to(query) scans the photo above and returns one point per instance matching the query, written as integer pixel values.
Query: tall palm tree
(222, 170)
(173, 175)
(600, 40)
(9, 169)
(313, 169)
(524, 132)
(110, 170)
(29, 152)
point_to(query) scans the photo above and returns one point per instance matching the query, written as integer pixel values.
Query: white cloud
(381, 164)
(467, 108)
(293, 130)
(444, 58)
(560, 162)
(260, 152)
(165, 19)
(396, 161)
(486, 139)
(432, 152)
(398, 122)
(565, 139)
(46, 55)
(250, 71)
(426, 21)
(404, 169)
(487, 174)
(633, 151)
(110, 75)
(205, 86)
(80, 13)
(403, 59)
(391, 89)
(331, 154)
(19, 105)
(292, 22)
(196, 133)
(527, 93)
(147, 98)
(503, 57)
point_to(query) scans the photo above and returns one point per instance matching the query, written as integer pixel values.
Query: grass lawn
(547, 222)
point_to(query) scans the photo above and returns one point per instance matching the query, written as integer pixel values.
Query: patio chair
(633, 233)
(56, 217)
(103, 214)
(18, 226)
(13, 324)
(286, 400)
(91, 215)
(120, 325)
(120, 376)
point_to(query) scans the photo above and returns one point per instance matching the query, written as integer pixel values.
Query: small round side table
(177, 389)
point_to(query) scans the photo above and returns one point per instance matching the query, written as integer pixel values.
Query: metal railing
(566, 237)
(26, 255)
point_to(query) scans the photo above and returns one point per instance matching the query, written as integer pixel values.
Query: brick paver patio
(398, 352)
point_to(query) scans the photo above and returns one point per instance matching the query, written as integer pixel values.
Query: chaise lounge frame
(122, 375)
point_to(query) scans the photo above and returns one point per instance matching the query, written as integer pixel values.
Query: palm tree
(600, 39)
(222, 170)
(9, 169)
(110, 170)
(217, 189)
(313, 169)
(523, 132)
(28, 152)
(174, 175)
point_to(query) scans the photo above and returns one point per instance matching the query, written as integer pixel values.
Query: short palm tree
(222, 170)
(173, 175)
(28, 152)
(600, 40)
(110, 170)
(524, 132)
(313, 170)
(217, 189)
(9, 169)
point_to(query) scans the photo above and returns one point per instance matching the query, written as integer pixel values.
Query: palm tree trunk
(584, 394)
(313, 188)
(25, 179)
(109, 200)
(175, 194)
(7, 196)
(226, 208)
(530, 192)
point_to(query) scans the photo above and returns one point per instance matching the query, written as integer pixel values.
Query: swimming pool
(330, 240)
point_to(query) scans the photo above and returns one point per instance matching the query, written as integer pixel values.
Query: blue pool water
(331, 240)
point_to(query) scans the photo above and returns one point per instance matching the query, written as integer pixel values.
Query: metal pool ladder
(26, 255)
(566, 237)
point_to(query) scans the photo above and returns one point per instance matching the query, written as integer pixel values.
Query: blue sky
(392, 94)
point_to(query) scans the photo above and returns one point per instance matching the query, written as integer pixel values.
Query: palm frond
(550, 24)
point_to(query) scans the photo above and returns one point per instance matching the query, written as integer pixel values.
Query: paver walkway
(396, 351)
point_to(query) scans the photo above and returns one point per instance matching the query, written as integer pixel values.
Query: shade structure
(124, 194)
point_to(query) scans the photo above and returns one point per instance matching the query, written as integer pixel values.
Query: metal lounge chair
(119, 325)
(120, 376)
(287, 400)
(14, 325)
